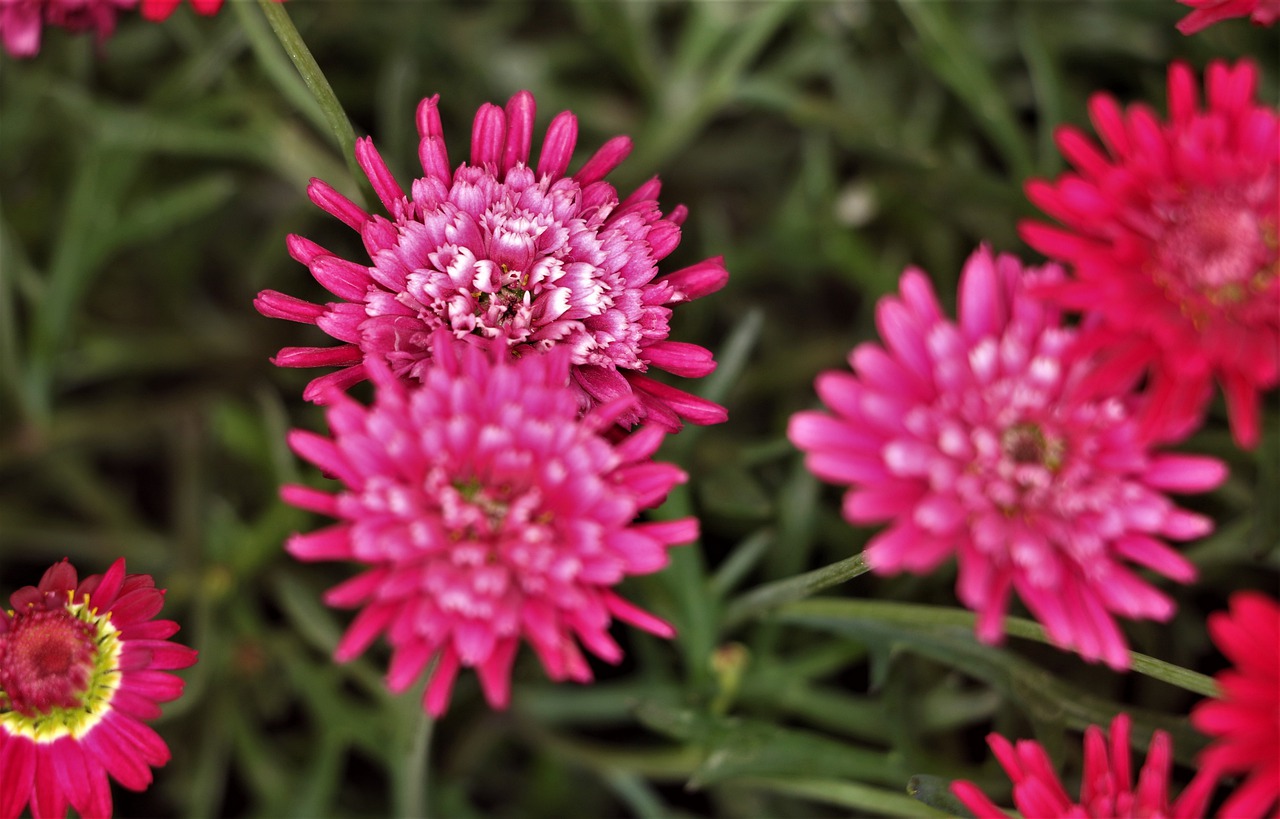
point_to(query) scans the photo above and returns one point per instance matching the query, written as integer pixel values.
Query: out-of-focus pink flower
(161, 9)
(500, 249)
(22, 21)
(1107, 788)
(972, 439)
(1172, 236)
(488, 512)
(82, 666)
(1208, 12)
(1245, 721)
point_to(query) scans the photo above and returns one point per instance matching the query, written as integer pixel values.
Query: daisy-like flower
(1208, 12)
(973, 439)
(82, 666)
(161, 9)
(1172, 236)
(488, 512)
(1107, 789)
(501, 249)
(22, 21)
(1245, 722)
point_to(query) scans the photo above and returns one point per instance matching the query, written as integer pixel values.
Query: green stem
(315, 79)
(414, 777)
(918, 615)
(877, 801)
(771, 595)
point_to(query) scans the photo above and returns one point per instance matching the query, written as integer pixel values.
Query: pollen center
(1214, 248)
(46, 661)
(1027, 444)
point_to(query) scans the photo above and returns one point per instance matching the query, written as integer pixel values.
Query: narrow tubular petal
(384, 184)
(488, 136)
(520, 112)
(610, 156)
(557, 147)
(681, 358)
(1185, 473)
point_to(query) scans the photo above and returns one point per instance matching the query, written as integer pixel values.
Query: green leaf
(734, 748)
(873, 801)
(946, 635)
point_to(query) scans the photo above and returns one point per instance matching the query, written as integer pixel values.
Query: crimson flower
(972, 438)
(82, 666)
(1208, 12)
(1107, 789)
(22, 21)
(487, 512)
(501, 249)
(1171, 233)
(1245, 721)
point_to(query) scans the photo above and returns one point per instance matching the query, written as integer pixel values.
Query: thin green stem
(415, 776)
(315, 79)
(857, 796)
(771, 595)
(919, 615)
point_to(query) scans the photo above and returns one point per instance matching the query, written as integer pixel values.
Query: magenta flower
(22, 21)
(161, 9)
(1172, 237)
(1107, 789)
(972, 438)
(1245, 721)
(81, 667)
(488, 512)
(499, 249)
(1208, 12)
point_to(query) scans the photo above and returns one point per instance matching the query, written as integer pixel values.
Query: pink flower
(22, 21)
(1208, 12)
(1107, 788)
(1245, 722)
(972, 438)
(81, 667)
(488, 512)
(161, 9)
(1172, 236)
(499, 249)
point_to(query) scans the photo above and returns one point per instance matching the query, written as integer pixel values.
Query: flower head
(499, 249)
(1107, 789)
(82, 665)
(1245, 721)
(1208, 12)
(1172, 237)
(161, 9)
(488, 512)
(973, 439)
(22, 21)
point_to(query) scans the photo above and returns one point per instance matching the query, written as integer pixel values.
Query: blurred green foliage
(147, 187)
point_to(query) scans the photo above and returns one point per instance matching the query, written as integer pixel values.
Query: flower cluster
(22, 22)
(1171, 235)
(488, 511)
(500, 249)
(1107, 787)
(507, 320)
(974, 438)
(83, 665)
(1245, 721)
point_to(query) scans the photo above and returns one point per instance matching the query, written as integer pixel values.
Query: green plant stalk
(772, 595)
(412, 783)
(920, 615)
(876, 801)
(315, 79)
